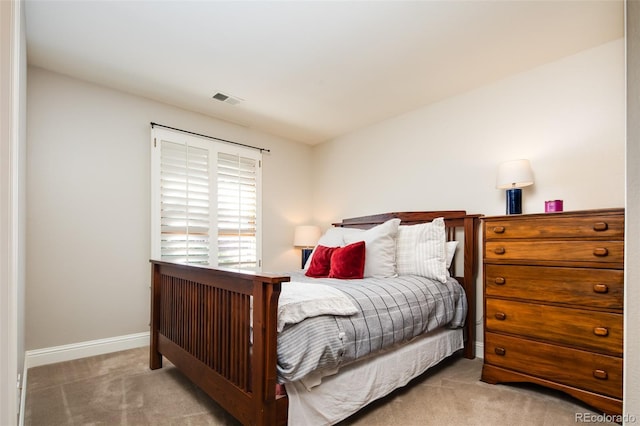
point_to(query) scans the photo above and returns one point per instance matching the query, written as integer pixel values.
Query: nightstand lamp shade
(306, 236)
(513, 175)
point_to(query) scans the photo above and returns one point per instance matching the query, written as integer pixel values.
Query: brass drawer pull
(498, 229)
(601, 288)
(500, 351)
(601, 331)
(499, 250)
(500, 280)
(500, 316)
(600, 251)
(600, 374)
(600, 226)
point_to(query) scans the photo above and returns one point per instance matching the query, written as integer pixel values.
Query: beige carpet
(119, 389)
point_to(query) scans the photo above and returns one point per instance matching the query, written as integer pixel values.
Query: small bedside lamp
(513, 175)
(306, 236)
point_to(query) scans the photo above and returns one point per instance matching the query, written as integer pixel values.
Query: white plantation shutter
(185, 199)
(206, 198)
(237, 211)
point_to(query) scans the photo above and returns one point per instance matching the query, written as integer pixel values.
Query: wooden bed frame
(200, 321)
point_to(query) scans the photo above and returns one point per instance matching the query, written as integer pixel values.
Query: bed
(220, 328)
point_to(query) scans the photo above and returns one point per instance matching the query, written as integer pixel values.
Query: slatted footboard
(201, 322)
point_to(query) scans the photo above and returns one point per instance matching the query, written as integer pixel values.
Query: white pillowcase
(333, 237)
(380, 248)
(420, 250)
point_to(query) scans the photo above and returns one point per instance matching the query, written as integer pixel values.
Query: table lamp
(306, 236)
(513, 175)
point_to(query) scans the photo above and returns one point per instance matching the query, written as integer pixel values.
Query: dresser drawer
(598, 331)
(606, 252)
(555, 226)
(598, 288)
(572, 367)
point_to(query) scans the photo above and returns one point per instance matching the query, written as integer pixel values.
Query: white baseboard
(73, 351)
(37, 357)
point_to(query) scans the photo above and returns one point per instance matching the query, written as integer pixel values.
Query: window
(206, 201)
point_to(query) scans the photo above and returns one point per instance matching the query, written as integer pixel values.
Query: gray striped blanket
(390, 311)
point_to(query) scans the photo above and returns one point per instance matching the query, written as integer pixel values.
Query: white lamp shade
(306, 236)
(514, 174)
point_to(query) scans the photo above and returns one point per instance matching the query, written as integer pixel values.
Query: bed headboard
(460, 226)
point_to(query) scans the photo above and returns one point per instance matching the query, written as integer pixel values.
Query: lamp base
(306, 252)
(514, 201)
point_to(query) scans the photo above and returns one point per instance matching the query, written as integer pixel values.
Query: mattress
(388, 312)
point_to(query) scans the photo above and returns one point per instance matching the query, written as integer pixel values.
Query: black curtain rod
(211, 137)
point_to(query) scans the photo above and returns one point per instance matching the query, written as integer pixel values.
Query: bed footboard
(201, 321)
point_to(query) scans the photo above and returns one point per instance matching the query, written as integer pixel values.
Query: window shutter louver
(237, 211)
(185, 200)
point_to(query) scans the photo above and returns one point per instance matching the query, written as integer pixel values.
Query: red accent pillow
(348, 262)
(320, 262)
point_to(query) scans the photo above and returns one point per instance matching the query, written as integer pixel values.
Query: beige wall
(89, 213)
(632, 244)
(12, 205)
(567, 117)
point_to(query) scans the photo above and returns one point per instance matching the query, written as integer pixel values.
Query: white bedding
(391, 311)
(366, 380)
(305, 300)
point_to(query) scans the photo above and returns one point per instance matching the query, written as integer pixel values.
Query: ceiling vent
(228, 99)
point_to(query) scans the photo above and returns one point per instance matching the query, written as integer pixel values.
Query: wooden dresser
(553, 300)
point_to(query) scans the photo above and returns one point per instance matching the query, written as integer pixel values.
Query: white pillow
(333, 237)
(420, 250)
(380, 248)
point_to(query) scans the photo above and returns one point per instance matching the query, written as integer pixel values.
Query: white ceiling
(308, 70)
